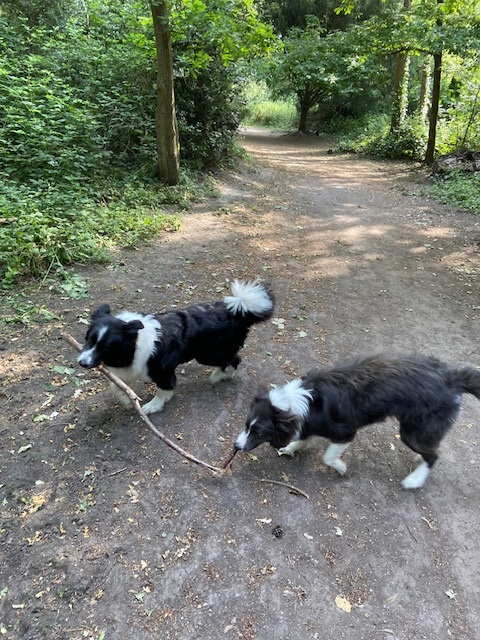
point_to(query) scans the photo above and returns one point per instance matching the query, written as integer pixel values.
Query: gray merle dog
(423, 393)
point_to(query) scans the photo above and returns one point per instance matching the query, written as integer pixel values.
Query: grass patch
(270, 113)
(459, 189)
(42, 226)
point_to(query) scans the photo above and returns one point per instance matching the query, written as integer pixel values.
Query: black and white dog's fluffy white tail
(423, 393)
(150, 347)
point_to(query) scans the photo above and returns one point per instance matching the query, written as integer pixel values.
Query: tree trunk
(433, 112)
(423, 105)
(401, 85)
(304, 106)
(165, 117)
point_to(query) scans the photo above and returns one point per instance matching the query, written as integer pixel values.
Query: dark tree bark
(424, 90)
(434, 109)
(165, 117)
(433, 112)
(401, 85)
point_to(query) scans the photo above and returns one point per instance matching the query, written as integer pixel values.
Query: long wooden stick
(288, 485)
(136, 403)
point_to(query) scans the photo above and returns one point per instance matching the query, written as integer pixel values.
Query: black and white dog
(149, 348)
(423, 393)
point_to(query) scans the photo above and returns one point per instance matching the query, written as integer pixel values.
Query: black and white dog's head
(275, 417)
(111, 340)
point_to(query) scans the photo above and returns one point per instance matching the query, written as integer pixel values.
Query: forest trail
(106, 533)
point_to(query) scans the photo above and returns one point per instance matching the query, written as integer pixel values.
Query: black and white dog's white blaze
(150, 347)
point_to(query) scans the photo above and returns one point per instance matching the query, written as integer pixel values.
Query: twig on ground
(136, 403)
(229, 459)
(117, 471)
(291, 487)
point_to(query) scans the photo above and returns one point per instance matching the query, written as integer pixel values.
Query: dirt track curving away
(107, 533)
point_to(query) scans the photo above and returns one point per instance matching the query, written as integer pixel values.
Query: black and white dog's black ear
(134, 326)
(286, 424)
(102, 310)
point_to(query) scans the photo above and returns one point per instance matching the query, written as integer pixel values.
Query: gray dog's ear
(101, 311)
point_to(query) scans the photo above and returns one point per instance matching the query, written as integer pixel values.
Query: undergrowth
(42, 225)
(458, 189)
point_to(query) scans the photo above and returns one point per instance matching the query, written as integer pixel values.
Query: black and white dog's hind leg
(225, 373)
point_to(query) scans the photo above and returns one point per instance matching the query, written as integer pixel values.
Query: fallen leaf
(40, 418)
(343, 604)
(60, 369)
(391, 599)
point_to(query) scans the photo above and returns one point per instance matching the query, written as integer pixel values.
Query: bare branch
(291, 487)
(136, 403)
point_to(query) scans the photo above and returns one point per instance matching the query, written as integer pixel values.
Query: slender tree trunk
(304, 106)
(423, 105)
(433, 112)
(165, 116)
(436, 93)
(401, 85)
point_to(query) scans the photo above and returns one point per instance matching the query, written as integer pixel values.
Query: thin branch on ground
(291, 487)
(136, 403)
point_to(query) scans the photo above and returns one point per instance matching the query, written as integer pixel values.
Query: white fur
(417, 478)
(241, 440)
(332, 454)
(121, 396)
(157, 403)
(219, 374)
(293, 446)
(292, 397)
(86, 355)
(145, 346)
(250, 297)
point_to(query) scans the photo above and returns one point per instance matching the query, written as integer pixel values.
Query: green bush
(376, 139)
(272, 113)
(44, 226)
(460, 189)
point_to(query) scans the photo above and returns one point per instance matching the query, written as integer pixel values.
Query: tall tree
(165, 116)
(423, 104)
(401, 85)
(435, 96)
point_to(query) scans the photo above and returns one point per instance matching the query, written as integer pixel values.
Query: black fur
(151, 347)
(423, 393)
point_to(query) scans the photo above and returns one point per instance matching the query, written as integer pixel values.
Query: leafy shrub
(376, 139)
(272, 113)
(40, 227)
(207, 113)
(460, 189)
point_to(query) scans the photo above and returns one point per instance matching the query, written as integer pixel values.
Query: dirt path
(106, 533)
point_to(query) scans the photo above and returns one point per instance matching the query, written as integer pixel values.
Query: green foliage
(377, 139)
(210, 39)
(42, 225)
(262, 110)
(77, 116)
(272, 113)
(460, 189)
